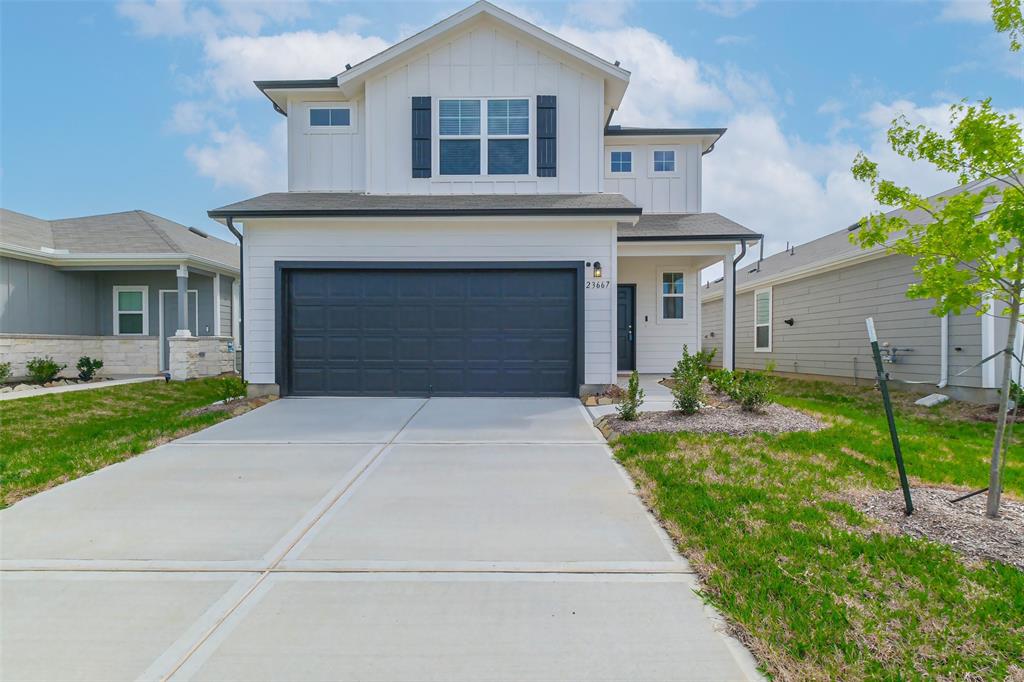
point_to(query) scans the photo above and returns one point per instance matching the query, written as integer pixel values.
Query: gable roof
(124, 234)
(830, 251)
(350, 80)
(351, 204)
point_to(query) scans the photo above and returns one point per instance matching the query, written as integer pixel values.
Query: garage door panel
(431, 332)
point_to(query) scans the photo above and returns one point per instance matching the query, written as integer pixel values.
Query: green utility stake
(883, 384)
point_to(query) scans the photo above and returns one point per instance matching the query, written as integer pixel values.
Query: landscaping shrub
(5, 371)
(629, 407)
(754, 390)
(43, 370)
(722, 380)
(687, 376)
(87, 367)
(232, 387)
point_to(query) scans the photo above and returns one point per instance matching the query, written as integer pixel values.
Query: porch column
(729, 315)
(183, 329)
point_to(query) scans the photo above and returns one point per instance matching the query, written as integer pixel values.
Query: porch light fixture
(597, 270)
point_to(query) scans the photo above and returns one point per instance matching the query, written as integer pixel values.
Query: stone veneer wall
(200, 356)
(121, 355)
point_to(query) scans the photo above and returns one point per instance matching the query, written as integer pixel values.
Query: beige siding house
(811, 302)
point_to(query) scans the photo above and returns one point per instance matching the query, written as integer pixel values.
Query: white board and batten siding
(657, 192)
(447, 240)
(483, 61)
(828, 336)
(659, 343)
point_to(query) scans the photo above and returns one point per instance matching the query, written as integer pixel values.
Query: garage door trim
(281, 269)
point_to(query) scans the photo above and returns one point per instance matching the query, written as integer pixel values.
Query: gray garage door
(441, 332)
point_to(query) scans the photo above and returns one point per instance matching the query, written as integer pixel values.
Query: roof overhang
(619, 214)
(707, 137)
(279, 91)
(117, 261)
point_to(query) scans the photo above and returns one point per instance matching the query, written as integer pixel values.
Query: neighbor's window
(332, 117)
(664, 161)
(673, 290)
(622, 162)
(465, 147)
(131, 308)
(763, 320)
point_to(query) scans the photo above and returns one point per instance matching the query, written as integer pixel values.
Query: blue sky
(111, 106)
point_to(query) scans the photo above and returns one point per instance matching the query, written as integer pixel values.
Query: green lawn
(810, 583)
(50, 439)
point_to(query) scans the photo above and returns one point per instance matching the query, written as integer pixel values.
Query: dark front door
(431, 331)
(627, 324)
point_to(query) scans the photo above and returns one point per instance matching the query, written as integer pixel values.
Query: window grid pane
(319, 117)
(762, 336)
(459, 116)
(763, 308)
(673, 283)
(340, 117)
(129, 323)
(129, 301)
(664, 161)
(508, 157)
(508, 117)
(672, 307)
(460, 157)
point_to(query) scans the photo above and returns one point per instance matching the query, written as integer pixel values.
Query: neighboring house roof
(684, 227)
(830, 251)
(349, 204)
(124, 235)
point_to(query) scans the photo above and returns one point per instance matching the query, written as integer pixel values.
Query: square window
(508, 157)
(460, 157)
(664, 161)
(622, 162)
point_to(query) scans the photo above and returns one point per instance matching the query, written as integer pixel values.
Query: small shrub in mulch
(235, 407)
(729, 419)
(963, 526)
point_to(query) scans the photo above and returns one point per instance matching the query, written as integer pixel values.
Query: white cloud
(234, 62)
(231, 158)
(176, 18)
(976, 11)
(599, 12)
(727, 8)
(189, 118)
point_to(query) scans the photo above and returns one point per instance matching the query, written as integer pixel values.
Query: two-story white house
(462, 219)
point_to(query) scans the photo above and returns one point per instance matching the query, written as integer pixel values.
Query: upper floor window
(465, 148)
(664, 161)
(622, 162)
(330, 117)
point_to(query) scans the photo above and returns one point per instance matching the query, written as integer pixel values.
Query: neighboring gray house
(811, 303)
(107, 286)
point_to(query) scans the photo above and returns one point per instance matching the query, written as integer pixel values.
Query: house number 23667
(592, 284)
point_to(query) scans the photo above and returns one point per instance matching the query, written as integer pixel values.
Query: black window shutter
(547, 143)
(421, 137)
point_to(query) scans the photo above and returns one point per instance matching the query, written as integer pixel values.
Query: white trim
(728, 314)
(484, 136)
(160, 329)
(660, 289)
(676, 155)
(612, 175)
(800, 273)
(988, 344)
(771, 318)
(173, 260)
(235, 310)
(353, 122)
(145, 309)
(216, 305)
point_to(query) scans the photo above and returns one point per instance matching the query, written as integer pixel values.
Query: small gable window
(332, 117)
(664, 161)
(622, 162)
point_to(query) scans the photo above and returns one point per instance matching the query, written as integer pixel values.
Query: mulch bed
(728, 419)
(235, 407)
(962, 526)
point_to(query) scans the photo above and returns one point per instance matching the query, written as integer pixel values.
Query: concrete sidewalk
(358, 539)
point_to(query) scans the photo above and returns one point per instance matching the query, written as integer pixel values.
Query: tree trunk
(995, 482)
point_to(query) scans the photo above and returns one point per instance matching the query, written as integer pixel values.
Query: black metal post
(883, 385)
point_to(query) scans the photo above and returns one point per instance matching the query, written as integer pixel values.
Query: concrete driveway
(357, 539)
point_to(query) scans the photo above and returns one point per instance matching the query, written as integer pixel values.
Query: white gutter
(58, 259)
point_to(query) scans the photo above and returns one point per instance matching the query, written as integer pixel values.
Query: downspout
(241, 289)
(943, 351)
(737, 259)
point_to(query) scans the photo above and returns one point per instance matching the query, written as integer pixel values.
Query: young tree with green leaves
(969, 246)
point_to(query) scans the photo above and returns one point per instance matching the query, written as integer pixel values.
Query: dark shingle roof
(128, 232)
(341, 204)
(684, 227)
(615, 130)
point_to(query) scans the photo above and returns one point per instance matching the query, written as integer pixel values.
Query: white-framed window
(620, 161)
(664, 160)
(131, 311)
(672, 295)
(763, 320)
(330, 117)
(484, 136)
